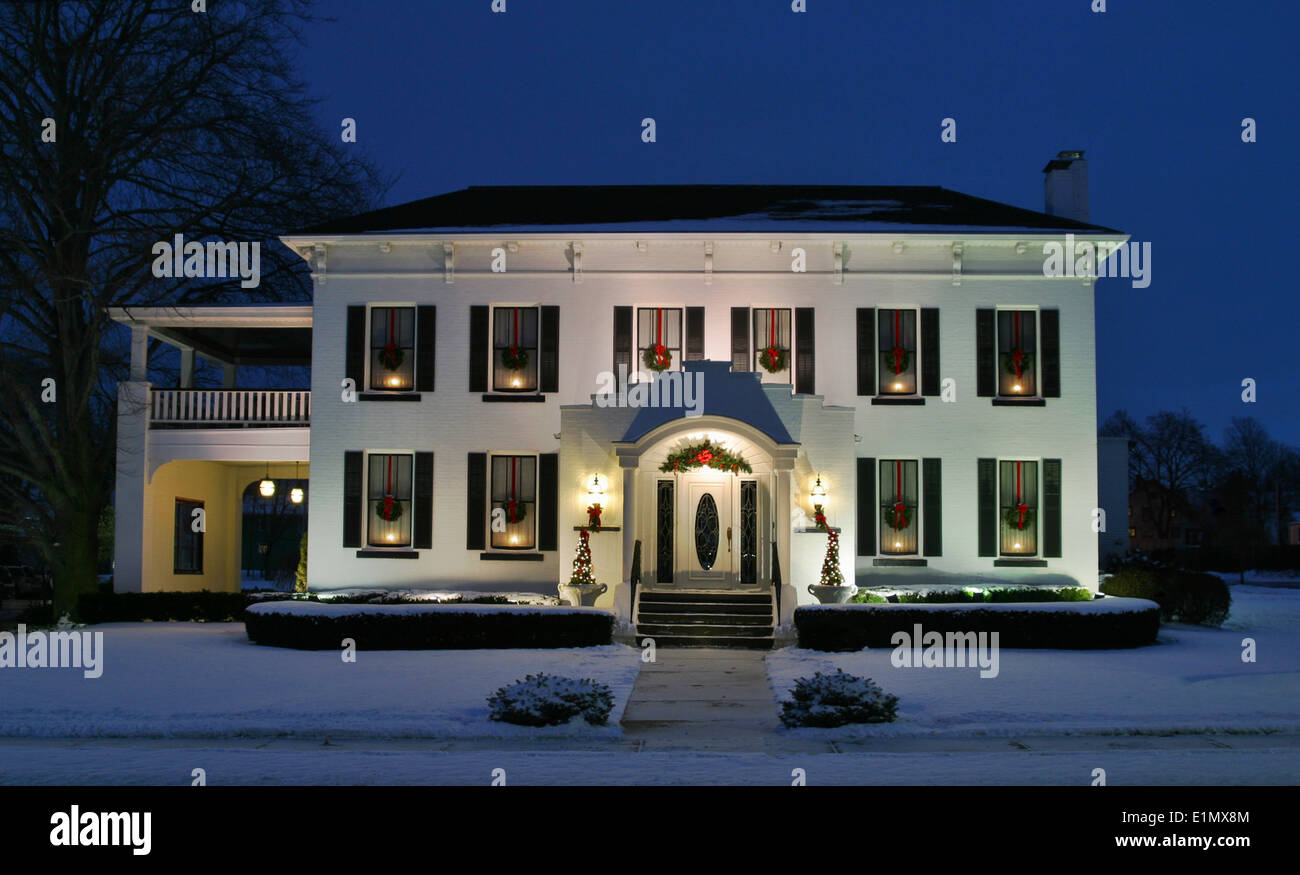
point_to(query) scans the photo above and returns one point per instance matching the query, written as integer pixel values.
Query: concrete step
(706, 619)
(647, 606)
(726, 641)
(715, 597)
(655, 630)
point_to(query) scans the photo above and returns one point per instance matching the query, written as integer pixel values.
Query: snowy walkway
(703, 699)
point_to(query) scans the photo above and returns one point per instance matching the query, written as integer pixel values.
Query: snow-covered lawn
(207, 679)
(1192, 679)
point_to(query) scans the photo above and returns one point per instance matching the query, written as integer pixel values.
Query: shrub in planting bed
(826, 700)
(548, 700)
(1183, 596)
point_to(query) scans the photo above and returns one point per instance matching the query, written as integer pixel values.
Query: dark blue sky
(447, 94)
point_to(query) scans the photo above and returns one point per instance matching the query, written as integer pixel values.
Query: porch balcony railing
(230, 408)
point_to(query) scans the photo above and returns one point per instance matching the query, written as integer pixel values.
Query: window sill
(187, 571)
(511, 557)
(592, 529)
(389, 396)
(387, 554)
(816, 531)
(900, 563)
(1019, 563)
(514, 398)
(1019, 402)
(902, 400)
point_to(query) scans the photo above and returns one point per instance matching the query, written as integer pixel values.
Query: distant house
(1293, 531)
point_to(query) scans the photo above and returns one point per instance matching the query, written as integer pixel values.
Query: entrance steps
(705, 619)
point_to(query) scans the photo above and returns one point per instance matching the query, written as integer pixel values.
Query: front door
(706, 536)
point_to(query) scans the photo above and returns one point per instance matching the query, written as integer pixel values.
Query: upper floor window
(514, 349)
(773, 345)
(392, 348)
(658, 338)
(1017, 353)
(897, 345)
(899, 502)
(187, 538)
(1018, 508)
(513, 511)
(388, 504)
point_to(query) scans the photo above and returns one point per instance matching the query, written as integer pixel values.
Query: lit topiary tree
(582, 562)
(831, 574)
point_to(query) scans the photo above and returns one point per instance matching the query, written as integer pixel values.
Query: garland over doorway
(705, 454)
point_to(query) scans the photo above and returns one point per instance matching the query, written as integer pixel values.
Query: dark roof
(719, 208)
(736, 395)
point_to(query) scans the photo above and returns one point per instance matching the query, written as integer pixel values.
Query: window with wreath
(897, 345)
(773, 347)
(187, 544)
(514, 349)
(388, 499)
(392, 348)
(513, 511)
(658, 339)
(899, 526)
(1018, 508)
(1017, 353)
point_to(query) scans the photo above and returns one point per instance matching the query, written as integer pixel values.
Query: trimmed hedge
(128, 607)
(853, 627)
(431, 629)
(1183, 596)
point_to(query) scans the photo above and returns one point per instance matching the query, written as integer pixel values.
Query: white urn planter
(832, 595)
(583, 594)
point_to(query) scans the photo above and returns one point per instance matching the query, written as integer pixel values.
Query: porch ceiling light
(295, 494)
(267, 486)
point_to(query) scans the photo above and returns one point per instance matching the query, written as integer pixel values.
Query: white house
(480, 376)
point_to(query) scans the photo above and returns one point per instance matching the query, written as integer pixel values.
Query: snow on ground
(208, 679)
(1192, 679)
(325, 609)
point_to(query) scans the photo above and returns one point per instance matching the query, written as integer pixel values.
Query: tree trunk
(74, 572)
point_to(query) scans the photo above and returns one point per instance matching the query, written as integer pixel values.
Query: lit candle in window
(395, 381)
(516, 383)
(898, 545)
(898, 387)
(392, 537)
(514, 539)
(1017, 546)
(1016, 388)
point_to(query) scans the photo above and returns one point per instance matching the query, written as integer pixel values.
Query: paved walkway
(702, 699)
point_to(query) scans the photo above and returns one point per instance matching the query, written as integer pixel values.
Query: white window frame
(875, 341)
(371, 306)
(1038, 506)
(639, 372)
(492, 348)
(1038, 345)
(366, 509)
(537, 473)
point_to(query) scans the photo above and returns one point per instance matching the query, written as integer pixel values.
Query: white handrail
(289, 407)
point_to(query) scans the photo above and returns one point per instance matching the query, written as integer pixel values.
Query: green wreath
(1012, 518)
(887, 359)
(515, 358)
(892, 517)
(773, 359)
(1026, 361)
(520, 512)
(657, 357)
(391, 356)
(394, 514)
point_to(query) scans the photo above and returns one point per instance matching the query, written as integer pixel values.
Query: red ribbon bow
(593, 518)
(704, 457)
(388, 507)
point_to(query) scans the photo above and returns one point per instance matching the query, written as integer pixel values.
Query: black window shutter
(1052, 508)
(422, 536)
(986, 364)
(1051, 347)
(987, 507)
(352, 514)
(549, 354)
(930, 351)
(480, 348)
(355, 355)
(548, 501)
(805, 367)
(622, 342)
(740, 338)
(476, 502)
(866, 350)
(694, 334)
(866, 486)
(932, 505)
(426, 334)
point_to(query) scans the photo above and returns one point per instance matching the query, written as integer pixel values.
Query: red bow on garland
(819, 516)
(593, 518)
(704, 457)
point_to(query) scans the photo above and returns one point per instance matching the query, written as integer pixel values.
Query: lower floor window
(514, 502)
(388, 505)
(187, 543)
(1018, 508)
(898, 506)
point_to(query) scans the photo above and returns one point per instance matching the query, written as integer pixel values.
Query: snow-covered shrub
(1183, 596)
(548, 700)
(835, 699)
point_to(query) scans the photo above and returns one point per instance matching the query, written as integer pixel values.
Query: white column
(623, 598)
(139, 353)
(187, 368)
(131, 485)
(789, 595)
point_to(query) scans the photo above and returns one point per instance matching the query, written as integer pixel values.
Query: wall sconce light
(596, 488)
(267, 486)
(819, 491)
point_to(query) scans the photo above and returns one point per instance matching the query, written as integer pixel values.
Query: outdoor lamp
(596, 488)
(819, 491)
(295, 494)
(267, 486)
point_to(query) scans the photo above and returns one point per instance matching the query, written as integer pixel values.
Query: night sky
(447, 94)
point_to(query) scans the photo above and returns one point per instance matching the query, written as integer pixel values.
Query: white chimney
(1065, 187)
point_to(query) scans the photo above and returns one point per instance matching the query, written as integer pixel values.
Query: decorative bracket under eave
(837, 248)
(318, 263)
(449, 263)
(577, 261)
(708, 263)
(956, 264)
